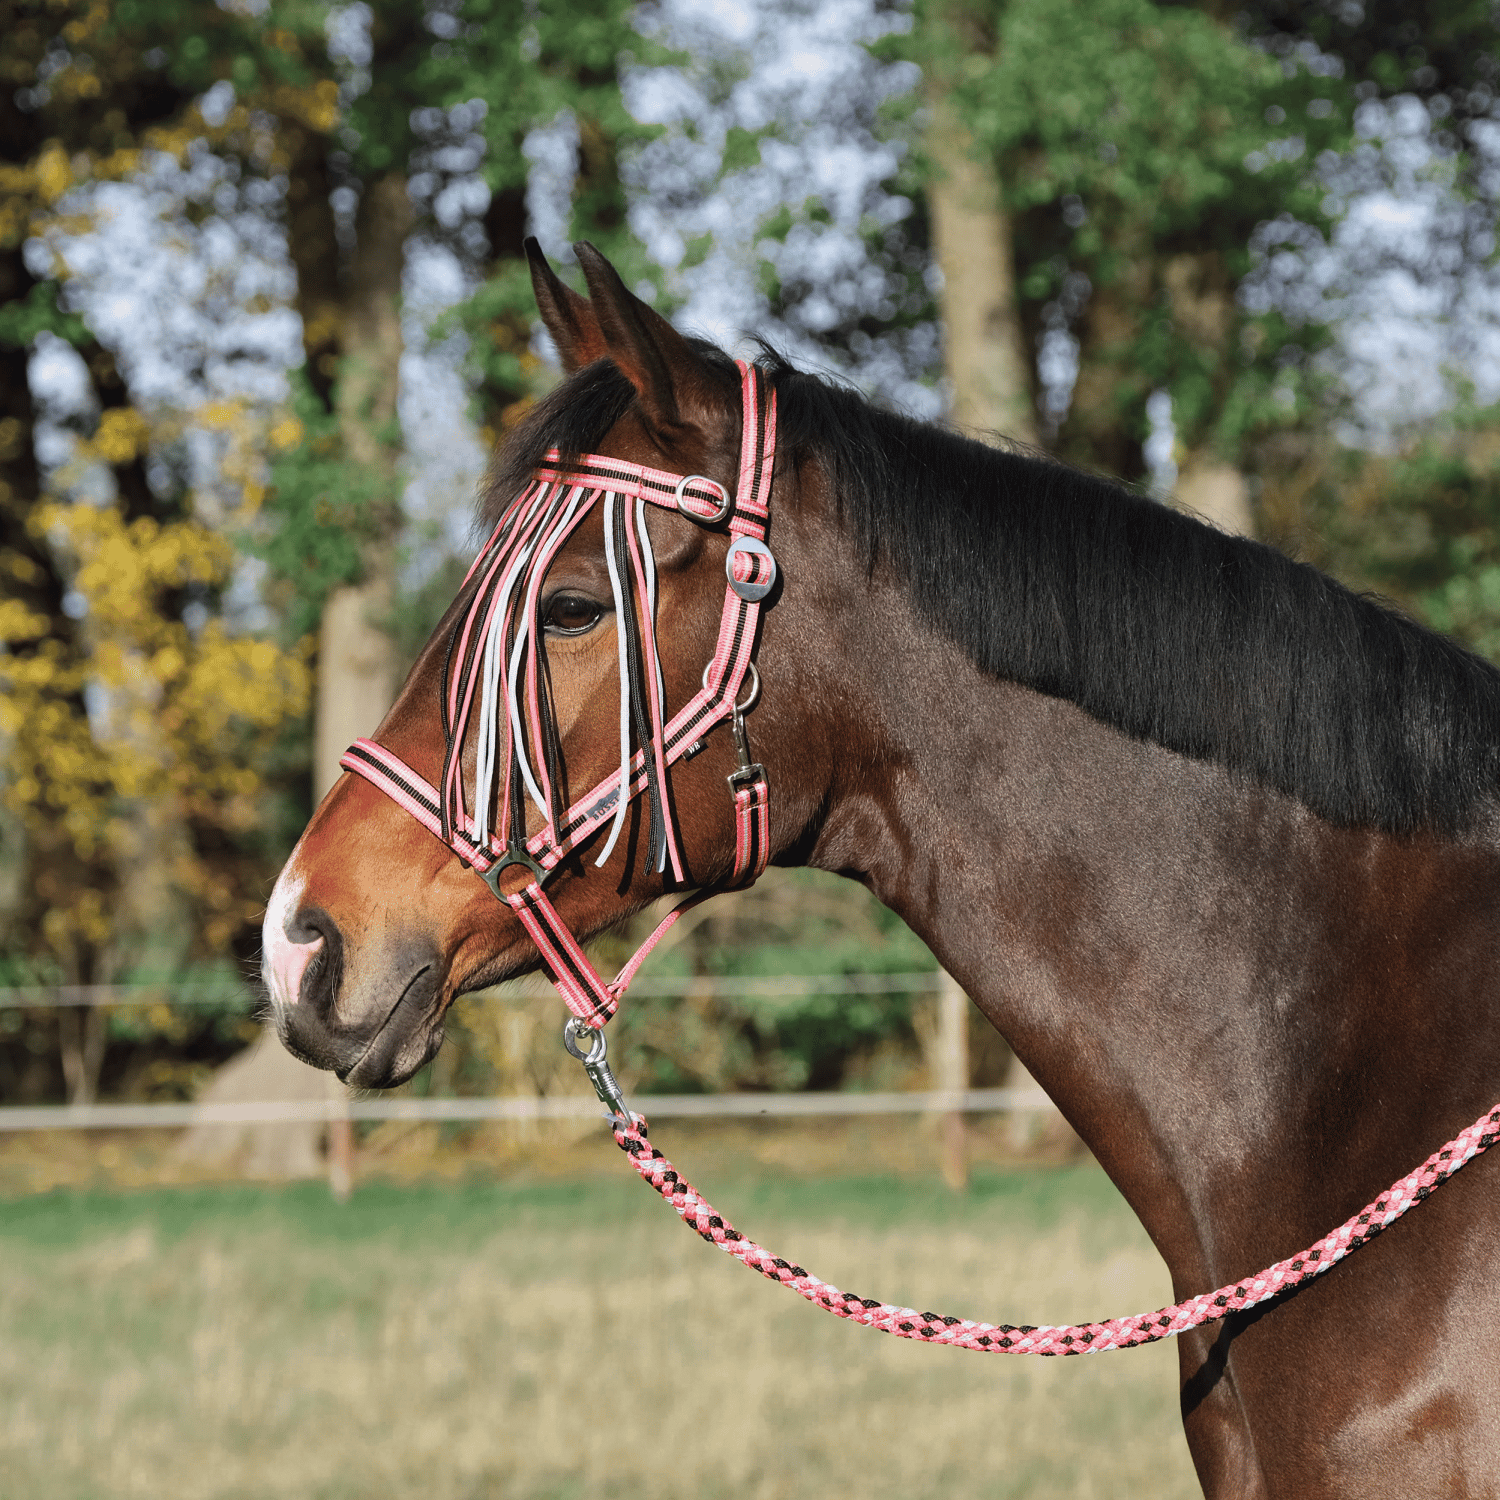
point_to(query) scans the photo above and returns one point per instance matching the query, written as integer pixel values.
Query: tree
(1412, 508)
(988, 363)
(1140, 144)
(130, 735)
(337, 494)
(560, 63)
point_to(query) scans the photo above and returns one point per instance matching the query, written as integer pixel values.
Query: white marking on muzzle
(283, 962)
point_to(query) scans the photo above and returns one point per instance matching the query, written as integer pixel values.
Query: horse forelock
(1211, 645)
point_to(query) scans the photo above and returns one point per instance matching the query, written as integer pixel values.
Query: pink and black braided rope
(1081, 1338)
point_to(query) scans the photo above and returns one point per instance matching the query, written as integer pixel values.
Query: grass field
(566, 1340)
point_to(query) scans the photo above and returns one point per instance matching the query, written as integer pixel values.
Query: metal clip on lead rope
(601, 1075)
(746, 770)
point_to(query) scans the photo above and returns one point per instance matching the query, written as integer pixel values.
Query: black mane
(1151, 621)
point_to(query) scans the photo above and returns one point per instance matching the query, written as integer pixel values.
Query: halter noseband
(496, 657)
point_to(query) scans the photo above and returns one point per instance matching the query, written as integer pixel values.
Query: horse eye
(571, 614)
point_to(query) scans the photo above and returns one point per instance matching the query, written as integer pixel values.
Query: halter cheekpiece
(497, 664)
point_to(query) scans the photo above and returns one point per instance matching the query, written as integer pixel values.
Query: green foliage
(1443, 48)
(497, 319)
(800, 922)
(400, 76)
(1164, 122)
(741, 149)
(276, 60)
(157, 1049)
(22, 321)
(529, 67)
(1140, 144)
(1421, 526)
(324, 508)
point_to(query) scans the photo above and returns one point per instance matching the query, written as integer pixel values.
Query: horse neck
(1214, 985)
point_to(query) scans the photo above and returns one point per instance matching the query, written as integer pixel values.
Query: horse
(1211, 840)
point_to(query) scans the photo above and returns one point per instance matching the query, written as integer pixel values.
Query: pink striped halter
(496, 661)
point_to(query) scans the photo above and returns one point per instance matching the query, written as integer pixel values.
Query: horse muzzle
(373, 1016)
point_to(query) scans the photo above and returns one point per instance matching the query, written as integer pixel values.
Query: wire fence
(777, 986)
(549, 1107)
(338, 1109)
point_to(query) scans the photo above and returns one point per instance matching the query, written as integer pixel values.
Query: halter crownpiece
(496, 657)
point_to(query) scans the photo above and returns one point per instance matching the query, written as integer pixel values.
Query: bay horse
(1211, 840)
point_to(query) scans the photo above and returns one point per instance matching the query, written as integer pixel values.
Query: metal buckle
(600, 1074)
(747, 775)
(725, 505)
(750, 592)
(512, 856)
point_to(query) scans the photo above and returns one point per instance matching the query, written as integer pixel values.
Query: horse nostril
(303, 959)
(309, 925)
(316, 934)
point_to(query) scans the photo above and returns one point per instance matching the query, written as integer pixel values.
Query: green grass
(569, 1341)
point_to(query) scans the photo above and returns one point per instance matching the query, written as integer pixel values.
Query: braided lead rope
(1081, 1338)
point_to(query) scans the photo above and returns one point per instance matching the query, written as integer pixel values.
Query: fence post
(340, 1142)
(952, 1070)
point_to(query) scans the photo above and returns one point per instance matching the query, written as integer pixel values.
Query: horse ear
(569, 318)
(666, 371)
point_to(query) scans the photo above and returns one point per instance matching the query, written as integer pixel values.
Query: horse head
(375, 924)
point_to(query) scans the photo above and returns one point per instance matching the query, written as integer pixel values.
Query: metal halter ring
(754, 696)
(725, 505)
(750, 592)
(512, 856)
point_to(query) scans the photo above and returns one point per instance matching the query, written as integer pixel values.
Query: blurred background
(263, 315)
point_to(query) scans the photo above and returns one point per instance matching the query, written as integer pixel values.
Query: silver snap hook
(595, 1064)
(574, 1032)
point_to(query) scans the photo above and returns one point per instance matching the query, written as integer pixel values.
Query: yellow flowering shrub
(144, 708)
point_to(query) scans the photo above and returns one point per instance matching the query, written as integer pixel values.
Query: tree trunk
(30, 577)
(356, 673)
(356, 656)
(987, 361)
(1200, 291)
(1217, 492)
(1099, 431)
